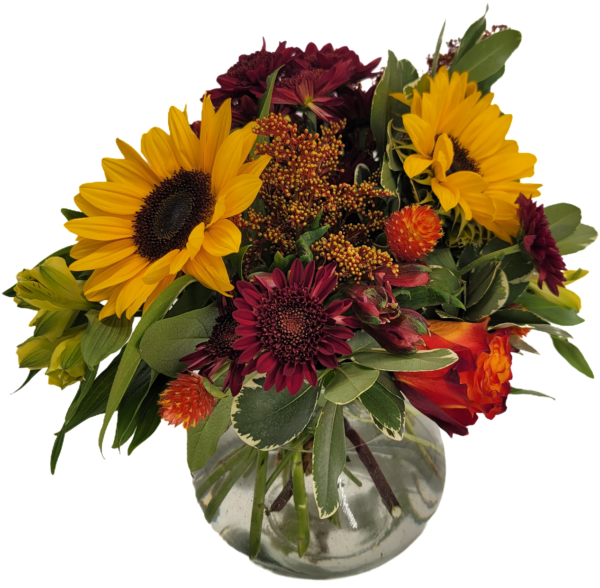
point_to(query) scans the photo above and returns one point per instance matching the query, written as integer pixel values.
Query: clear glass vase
(363, 534)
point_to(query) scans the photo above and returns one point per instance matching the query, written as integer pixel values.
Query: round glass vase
(364, 533)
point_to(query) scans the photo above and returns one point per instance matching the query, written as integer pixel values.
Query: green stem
(352, 477)
(423, 442)
(423, 451)
(494, 256)
(278, 469)
(227, 465)
(300, 503)
(258, 504)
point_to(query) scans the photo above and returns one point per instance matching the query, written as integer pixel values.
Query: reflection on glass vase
(388, 491)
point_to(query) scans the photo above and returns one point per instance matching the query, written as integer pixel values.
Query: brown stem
(368, 459)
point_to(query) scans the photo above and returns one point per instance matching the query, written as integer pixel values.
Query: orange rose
(477, 383)
(488, 386)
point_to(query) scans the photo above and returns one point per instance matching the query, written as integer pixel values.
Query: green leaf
(553, 313)
(71, 214)
(28, 379)
(485, 86)
(563, 220)
(488, 56)
(307, 239)
(443, 258)
(578, 240)
(516, 316)
(572, 355)
(237, 261)
(170, 339)
(136, 392)
(438, 46)
(518, 272)
(492, 301)
(530, 393)
(131, 356)
(266, 419)
(421, 361)
(329, 458)
(397, 74)
(56, 449)
(469, 39)
(480, 281)
(147, 418)
(522, 345)
(103, 338)
(194, 297)
(550, 329)
(422, 296)
(362, 340)
(264, 102)
(387, 410)
(202, 439)
(361, 174)
(349, 382)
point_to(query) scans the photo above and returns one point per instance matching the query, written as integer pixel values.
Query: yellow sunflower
(167, 213)
(460, 136)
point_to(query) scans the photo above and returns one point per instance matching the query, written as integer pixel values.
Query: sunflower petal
(206, 126)
(256, 166)
(160, 268)
(109, 254)
(132, 155)
(195, 240)
(101, 228)
(231, 155)
(416, 164)
(111, 197)
(126, 172)
(87, 208)
(184, 138)
(222, 238)
(420, 132)
(157, 291)
(237, 195)
(219, 132)
(115, 274)
(446, 193)
(159, 150)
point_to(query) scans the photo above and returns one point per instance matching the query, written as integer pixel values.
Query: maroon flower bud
(402, 335)
(410, 275)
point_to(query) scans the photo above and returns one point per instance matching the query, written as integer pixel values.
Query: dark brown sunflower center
(222, 337)
(171, 212)
(291, 323)
(462, 158)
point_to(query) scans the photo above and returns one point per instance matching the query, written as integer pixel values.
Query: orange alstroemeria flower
(477, 383)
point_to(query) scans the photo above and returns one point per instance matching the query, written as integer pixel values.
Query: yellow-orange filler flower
(459, 135)
(155, 217)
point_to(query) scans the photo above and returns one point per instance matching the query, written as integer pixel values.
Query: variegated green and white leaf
(421, 361)
(386, 410)
(349, 382)
(492, 301)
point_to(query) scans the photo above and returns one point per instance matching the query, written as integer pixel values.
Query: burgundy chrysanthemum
(211, 356)
(285, 329)
(537, 243)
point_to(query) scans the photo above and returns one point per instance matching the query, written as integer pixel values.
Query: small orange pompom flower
(185, 401)
(413, 232)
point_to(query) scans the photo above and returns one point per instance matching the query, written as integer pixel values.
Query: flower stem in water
(258, 504)
(300, 503)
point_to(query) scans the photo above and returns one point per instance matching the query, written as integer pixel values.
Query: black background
(503, 497)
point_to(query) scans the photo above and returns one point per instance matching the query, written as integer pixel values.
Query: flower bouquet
(333, 264)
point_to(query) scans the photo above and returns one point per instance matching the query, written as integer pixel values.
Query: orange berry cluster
(298, 185)
(353, 262)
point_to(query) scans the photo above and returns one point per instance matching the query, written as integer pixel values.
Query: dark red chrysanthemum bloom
(285, 329)
(249, 75)
(537, 243)
(211, 356)
(327, 57)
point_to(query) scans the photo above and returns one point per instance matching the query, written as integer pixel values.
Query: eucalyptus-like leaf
(329, 458)
(488, 56)
(349, 382)
(168, 340)
(266, 419)
(421, 361)
(578, 240)
(563, 219)
(518, 391)
(573, 355)
(202, 439)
